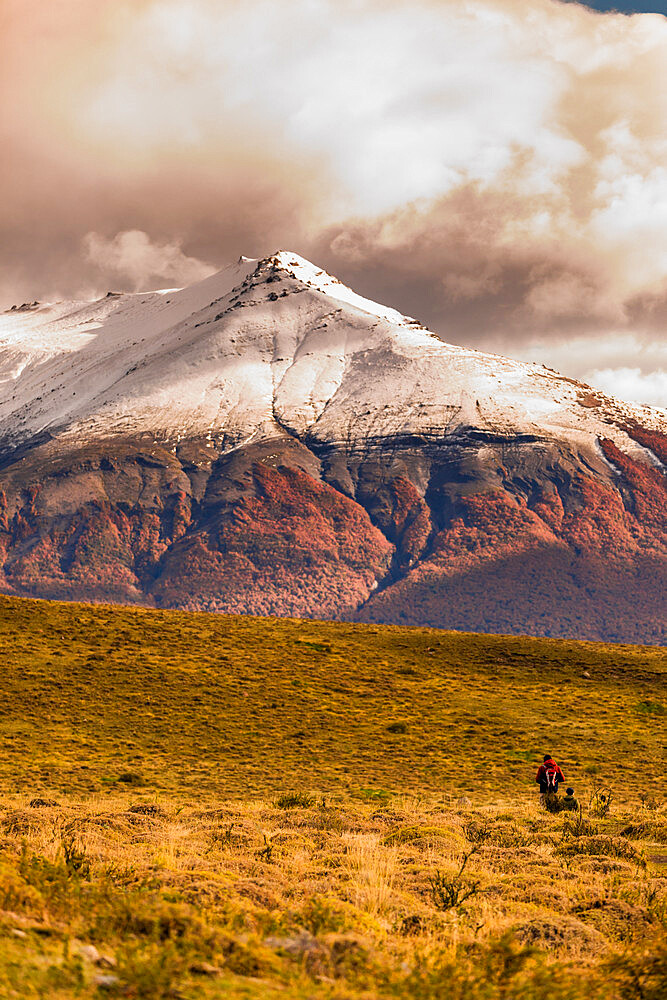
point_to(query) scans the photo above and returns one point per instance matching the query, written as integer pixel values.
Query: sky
(495, 168)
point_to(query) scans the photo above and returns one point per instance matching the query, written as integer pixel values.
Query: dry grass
(186, 899)
(259, 808)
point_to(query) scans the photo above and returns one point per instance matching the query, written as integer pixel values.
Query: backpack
(551, 776)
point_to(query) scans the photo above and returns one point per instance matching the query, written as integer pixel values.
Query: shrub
(477, 832)
(600, 803)
(16, 894)
(223, 836)
(265, 853)
(150, 971)
(651, 708)
(508, 835)
(450, 892)
(130, 778)
(560, 934)
(647, 830)
(411, 834)
(325, 915)
(578, 826)
(146, 809)
(614, 847)
(76, 860)
(52, 879)
(295, 800)
(397, 728)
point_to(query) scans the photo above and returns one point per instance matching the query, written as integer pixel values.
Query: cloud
(496, 168)
(132, 255)
(631, 366)
(630, 383)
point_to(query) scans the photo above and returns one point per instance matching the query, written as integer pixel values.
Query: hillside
(205, 704)
(268, 442)
(195, 806)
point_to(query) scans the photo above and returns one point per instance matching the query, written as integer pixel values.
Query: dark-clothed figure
(548, 776)
(569, 802)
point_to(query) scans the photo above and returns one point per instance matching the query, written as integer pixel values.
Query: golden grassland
(201, 806)
(330, 898)
(233, 706)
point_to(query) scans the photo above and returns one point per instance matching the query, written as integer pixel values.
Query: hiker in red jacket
(548, 776)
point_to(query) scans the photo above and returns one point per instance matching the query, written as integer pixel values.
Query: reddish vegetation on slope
(647, 486)
(599, 524)
(653, 440)
(502, 566)
(410, 521)
(563, 553)
(488, 526)
(543, 592)
(98, 553)
(296, 548)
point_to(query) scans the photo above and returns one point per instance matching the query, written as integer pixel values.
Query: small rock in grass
(299, 944)
(18, 933)
(205, 969)
(586, 675)
(90, 953)
(87, 951)
(105, 982)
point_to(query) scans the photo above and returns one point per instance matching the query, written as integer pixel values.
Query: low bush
(646, 830)
(148, 971)
(295, 800)
(416, 834)
(577, 825)
(450, 892)
(615, 847)
(398, 728)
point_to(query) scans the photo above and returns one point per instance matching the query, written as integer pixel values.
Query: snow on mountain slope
(269, 442)
(269, 344)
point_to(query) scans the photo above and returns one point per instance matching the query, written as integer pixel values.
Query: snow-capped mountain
(269, 441)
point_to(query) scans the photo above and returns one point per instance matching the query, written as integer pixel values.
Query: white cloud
(132, 255)
(495, 167)
(577, 355)
(630, 366)
(631, 384)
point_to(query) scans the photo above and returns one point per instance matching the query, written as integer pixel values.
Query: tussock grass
(105, 896)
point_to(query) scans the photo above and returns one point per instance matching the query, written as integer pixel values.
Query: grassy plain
(195, 703)
(195, 806)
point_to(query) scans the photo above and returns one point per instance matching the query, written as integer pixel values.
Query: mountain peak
(268, 440)
(273, 345)
(289, 264)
